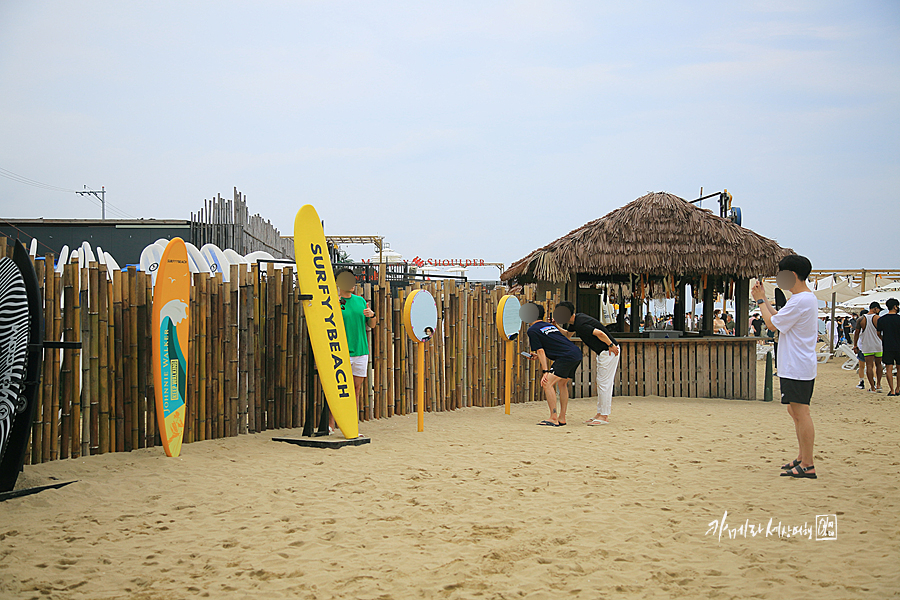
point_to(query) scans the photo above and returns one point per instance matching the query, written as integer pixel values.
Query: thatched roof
(657, 234)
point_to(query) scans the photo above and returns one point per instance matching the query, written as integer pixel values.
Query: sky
(461, 129)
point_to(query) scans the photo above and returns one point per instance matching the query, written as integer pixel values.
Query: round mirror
(508, 321)
(420, 316)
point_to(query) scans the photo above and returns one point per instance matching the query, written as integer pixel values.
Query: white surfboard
(196, 262)
(216, 260)
(33, 249)
(262, 255)
(233, 257)
(150, 261)
(111, 264)
(88, 253)
(62, 259)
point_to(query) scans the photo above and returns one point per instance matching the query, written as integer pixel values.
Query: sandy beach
(483, 505)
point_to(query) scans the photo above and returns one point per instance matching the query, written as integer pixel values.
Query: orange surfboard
(171, 299)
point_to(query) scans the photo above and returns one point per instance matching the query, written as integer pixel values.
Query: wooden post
(706, 327)
(637, 303)
(680, 322)
(742, 307)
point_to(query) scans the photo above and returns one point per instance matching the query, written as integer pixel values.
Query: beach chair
(852, 362)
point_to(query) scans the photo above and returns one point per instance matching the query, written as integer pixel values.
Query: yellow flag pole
(509, 360)
(420, 384)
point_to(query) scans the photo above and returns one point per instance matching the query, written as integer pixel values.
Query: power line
(54, 188)
(31, 182)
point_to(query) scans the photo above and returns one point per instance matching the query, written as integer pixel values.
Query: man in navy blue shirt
(548, 342)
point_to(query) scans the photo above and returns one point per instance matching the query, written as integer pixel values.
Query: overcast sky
(462, 129)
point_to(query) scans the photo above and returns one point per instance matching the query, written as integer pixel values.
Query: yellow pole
(420, 384)
(509, 360)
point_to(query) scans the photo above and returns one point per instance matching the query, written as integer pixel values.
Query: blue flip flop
(546, 423)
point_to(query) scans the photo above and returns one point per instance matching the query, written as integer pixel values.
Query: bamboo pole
(280, 354)
(94, 361)
(35, 442)
(287, 306)
(136, 400)
(103, 360)
(51, 358)
(269, 286)
(202, 362)
(245, 351)
(66, 380)
(144, 404)
(82, 424)
(119, 349)
(253, 348)
(228, 343)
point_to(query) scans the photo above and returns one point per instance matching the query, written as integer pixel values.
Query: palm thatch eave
(658, 234)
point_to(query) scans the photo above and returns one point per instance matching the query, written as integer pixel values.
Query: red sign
(441, 262)
(449, 262)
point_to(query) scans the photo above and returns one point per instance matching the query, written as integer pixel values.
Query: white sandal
(597, 422)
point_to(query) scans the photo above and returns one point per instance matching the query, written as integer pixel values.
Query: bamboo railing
(248, 357)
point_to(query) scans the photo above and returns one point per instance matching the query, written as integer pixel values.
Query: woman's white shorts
(360, 365)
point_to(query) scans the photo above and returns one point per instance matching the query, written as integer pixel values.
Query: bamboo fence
(249, 360)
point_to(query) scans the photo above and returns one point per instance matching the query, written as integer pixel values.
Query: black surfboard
(21, 356)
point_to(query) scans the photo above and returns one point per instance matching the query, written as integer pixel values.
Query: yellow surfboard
(324, 319)
(171, 299)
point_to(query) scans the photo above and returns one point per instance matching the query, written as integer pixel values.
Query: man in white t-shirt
(797, 326)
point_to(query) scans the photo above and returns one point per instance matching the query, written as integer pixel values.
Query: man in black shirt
(598, 338)
(548, 342)
(889, 331)
(757, 324)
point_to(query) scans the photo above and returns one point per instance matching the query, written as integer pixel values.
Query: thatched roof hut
(657, 235)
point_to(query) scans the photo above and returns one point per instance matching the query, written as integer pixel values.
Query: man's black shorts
(795, 390)
(890, 358)
(565, 369)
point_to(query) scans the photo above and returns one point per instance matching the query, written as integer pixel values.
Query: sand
(482, 505)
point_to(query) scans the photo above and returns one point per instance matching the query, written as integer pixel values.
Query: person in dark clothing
(889, 331)
(548, 343)
(598, 338)
(757, 324)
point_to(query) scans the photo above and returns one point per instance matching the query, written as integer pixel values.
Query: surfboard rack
(29, 491)
(61, 345)
(318, 442)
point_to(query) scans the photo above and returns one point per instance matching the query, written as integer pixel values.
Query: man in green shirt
(357, 316)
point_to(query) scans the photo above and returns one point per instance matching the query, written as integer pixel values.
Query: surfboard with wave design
(171, 301)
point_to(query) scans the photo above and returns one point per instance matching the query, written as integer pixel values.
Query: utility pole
(100, 195)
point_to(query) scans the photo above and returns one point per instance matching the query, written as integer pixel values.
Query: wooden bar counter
(689, 367)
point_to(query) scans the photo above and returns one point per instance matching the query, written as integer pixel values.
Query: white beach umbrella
(864, 301)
